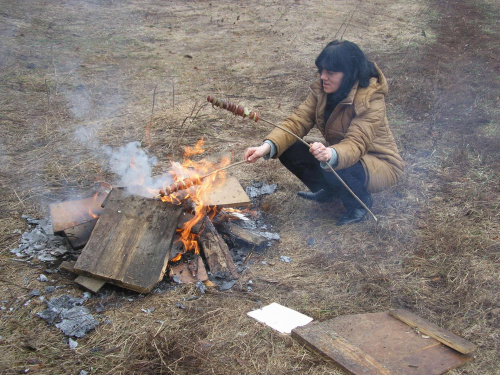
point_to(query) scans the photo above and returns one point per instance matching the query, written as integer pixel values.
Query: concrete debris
(42, 278)
(260, 188)
(40, 242)
(67, 314)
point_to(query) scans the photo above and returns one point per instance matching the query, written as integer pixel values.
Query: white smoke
(134, 169)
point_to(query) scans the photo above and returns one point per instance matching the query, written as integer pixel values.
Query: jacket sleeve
(361, 132)
(299, 123)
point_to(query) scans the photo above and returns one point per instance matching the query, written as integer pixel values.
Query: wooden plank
(216, 252)
(67, 266)
(229, 194)
(330, 346)
(79, 235)
(386, 340)
(130, 242)
(235, 232)
(90, 283)
(71, 213)
(447, 338)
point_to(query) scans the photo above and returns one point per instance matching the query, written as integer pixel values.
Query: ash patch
(258, 189)
(68, 314)
(40, 242)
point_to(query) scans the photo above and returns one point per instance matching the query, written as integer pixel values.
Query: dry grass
(78, 79)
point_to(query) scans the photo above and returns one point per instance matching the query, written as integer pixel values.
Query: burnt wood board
(378, 343)
(130, 243)
(69, 214)
(79, 235)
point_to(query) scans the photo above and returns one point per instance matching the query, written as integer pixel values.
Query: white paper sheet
(279, 317)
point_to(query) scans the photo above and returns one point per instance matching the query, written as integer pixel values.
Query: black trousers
(298, 160)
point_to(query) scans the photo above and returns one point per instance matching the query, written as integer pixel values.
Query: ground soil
(81, 78)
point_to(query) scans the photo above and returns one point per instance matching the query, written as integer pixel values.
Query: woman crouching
(347, 105)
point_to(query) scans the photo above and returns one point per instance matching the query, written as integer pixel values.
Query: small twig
(12, 283)
(159, 353)
(15, 192)
(153, 107)
(48, 93)
(249, 255)
(173, 94)
(183, 122)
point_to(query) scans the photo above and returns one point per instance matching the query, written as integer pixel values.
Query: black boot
(321, 195)
(355, 215)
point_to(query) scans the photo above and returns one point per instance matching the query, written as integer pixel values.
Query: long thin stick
(244, 112)
(223, 168)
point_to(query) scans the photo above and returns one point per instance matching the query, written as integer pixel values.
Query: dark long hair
(346, 57)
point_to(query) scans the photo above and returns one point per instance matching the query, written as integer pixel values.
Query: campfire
(134, 236)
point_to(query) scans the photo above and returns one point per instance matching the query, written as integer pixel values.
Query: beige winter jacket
(357, 129)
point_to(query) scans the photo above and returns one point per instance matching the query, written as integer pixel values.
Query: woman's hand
(320, 151)
(252, 154)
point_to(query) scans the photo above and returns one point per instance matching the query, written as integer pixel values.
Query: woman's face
(331, 80)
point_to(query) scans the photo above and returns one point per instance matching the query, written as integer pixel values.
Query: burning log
(236, 232)
(218, 256)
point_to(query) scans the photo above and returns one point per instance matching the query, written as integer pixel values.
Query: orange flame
(176, 258)
(196, 150)
(196, 171)
(92, 215)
